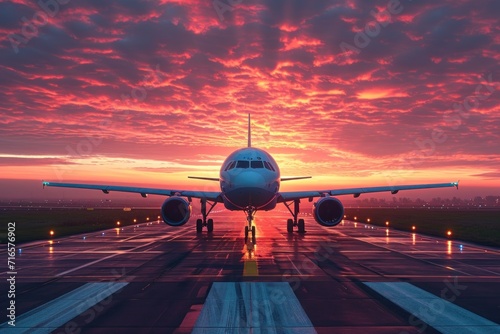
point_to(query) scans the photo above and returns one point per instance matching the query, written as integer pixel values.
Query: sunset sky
(354, 93)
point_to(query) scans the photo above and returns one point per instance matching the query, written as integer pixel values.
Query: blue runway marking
(248, 307)
(438, 313)
(59, 311)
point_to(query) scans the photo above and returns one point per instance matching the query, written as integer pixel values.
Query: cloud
(489, 175)
(164, 81)
(376, 93)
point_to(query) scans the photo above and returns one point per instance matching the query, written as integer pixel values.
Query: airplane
(249, 181)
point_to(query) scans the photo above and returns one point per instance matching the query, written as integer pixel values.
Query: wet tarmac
(354, 278)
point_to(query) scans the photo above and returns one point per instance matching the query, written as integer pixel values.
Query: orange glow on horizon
(148, 107)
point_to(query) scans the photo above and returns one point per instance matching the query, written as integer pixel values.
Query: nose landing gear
(250, 228)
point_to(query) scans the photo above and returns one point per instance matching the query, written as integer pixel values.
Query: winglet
(249, 132)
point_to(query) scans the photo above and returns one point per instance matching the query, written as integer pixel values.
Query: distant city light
(118, 223)
(448, 233)
(135, 220)
(355, 218)
(51, 233)
(387, 223)
(413, 228)
(368, 220)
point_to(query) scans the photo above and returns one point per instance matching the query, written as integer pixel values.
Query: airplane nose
(249, 179)
(249, 188)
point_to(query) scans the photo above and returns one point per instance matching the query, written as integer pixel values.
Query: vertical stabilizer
(249, 133)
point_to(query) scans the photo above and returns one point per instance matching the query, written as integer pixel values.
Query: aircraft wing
(209, 195)
(356, 192)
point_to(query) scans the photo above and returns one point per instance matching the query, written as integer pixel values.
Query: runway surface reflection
(156, 278)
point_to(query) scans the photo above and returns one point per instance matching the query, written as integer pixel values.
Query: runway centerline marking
(439, 313)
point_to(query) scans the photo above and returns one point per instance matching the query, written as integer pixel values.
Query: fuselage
(249, 178)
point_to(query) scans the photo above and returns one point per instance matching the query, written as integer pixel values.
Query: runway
(354, 278)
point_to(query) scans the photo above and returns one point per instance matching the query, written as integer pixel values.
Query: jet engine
(328, 211)
(175, 211)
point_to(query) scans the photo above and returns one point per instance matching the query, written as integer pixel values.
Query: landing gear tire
(289, 226)
(199, 225)
(246, 234)
(301, 226)
(254, 241)
(204, 213)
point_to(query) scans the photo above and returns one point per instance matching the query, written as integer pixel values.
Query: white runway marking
(121, 252)
(439, 313)
(59, 311)
(248, 307)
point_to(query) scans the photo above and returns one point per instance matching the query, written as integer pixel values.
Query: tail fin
(249, 133)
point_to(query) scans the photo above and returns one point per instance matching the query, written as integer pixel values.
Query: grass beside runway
(479, 226)
(36, 224)
(474, 225)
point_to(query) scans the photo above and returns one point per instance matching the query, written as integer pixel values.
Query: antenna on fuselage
(249, 133)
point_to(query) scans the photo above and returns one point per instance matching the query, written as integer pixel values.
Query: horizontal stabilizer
(295, 178)
(204, 178)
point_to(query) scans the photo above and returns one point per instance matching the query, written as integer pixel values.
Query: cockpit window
(268, 166)
(230, 165)
(257, 164)
(243, 164)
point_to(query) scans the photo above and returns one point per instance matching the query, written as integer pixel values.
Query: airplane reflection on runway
(162, 268)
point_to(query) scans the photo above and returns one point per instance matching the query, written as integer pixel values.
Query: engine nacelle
(175, 211)
(328, 211)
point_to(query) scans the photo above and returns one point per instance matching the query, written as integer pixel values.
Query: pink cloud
(172, 80)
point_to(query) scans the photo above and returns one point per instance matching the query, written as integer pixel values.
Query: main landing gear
(301, 226)
(209, 223)
(250, 212)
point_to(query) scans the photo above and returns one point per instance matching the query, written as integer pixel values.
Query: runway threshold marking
(437, 312)
(59, 311)
(267, 306)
